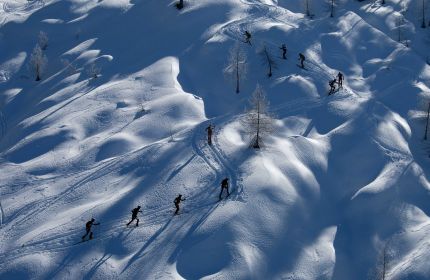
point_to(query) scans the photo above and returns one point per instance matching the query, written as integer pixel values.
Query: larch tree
(380, 272)
(258, 122)
(236, 68)
(268, 60)
(38, 62)
(307, 5)
(43, 40)
(423, 13)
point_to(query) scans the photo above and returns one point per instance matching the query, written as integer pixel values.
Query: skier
(332, 86)
(340, 79)
(209, 129)
(134, 213)
(178, 200)
(248, 37)
(284, 51)
(88, 226)
(302, 60)
(224, 185)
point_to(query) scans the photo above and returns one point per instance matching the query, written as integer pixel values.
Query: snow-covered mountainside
(339, 190)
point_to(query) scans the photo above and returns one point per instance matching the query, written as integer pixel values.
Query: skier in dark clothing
(88, 226)
(332, 86)
(247, 37)
(134, 213)
(340, 79)
(224, 185)
(302, 60)
(209, 129)
(284, 51)
(178, 200)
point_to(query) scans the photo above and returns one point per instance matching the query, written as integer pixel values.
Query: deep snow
(342, 179)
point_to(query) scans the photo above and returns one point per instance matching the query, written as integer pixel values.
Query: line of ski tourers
(332, 83)
(136, 211)
(224, 183)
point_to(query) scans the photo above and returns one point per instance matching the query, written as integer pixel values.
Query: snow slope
(342, 179)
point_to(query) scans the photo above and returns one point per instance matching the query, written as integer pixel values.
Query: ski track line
(62, 241)
(106, 169)
(199, 151)
(230, 171)
(147, 219)
(215, 151)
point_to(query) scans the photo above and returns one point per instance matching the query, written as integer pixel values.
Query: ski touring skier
(340, 79)
(224, 185)
(302, 60)
(209, 129)
(88, 226)
(134, 213)
(247, 37)
(177, 201)
(284, 51)
(332, 86)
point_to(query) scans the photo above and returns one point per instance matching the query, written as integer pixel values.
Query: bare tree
(38, 62)
(423, 10)
(237, 65)
(43, 40)
(332, 5)
(380, 271)
(307, 5)
(258, 122)
(268, 60)
(400, 28)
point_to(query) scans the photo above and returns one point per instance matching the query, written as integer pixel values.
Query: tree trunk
(37, 72)
(180, 5)
(427, 124)
(332, 8)
(257, 143)
(237, 73)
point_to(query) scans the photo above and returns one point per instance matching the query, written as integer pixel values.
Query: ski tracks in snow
(215, 157)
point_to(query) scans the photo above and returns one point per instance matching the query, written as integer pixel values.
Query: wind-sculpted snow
(119, 118)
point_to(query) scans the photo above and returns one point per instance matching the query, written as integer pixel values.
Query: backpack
(88, 224)
(135, 211)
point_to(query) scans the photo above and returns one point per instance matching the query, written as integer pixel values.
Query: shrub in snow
(93, 71)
